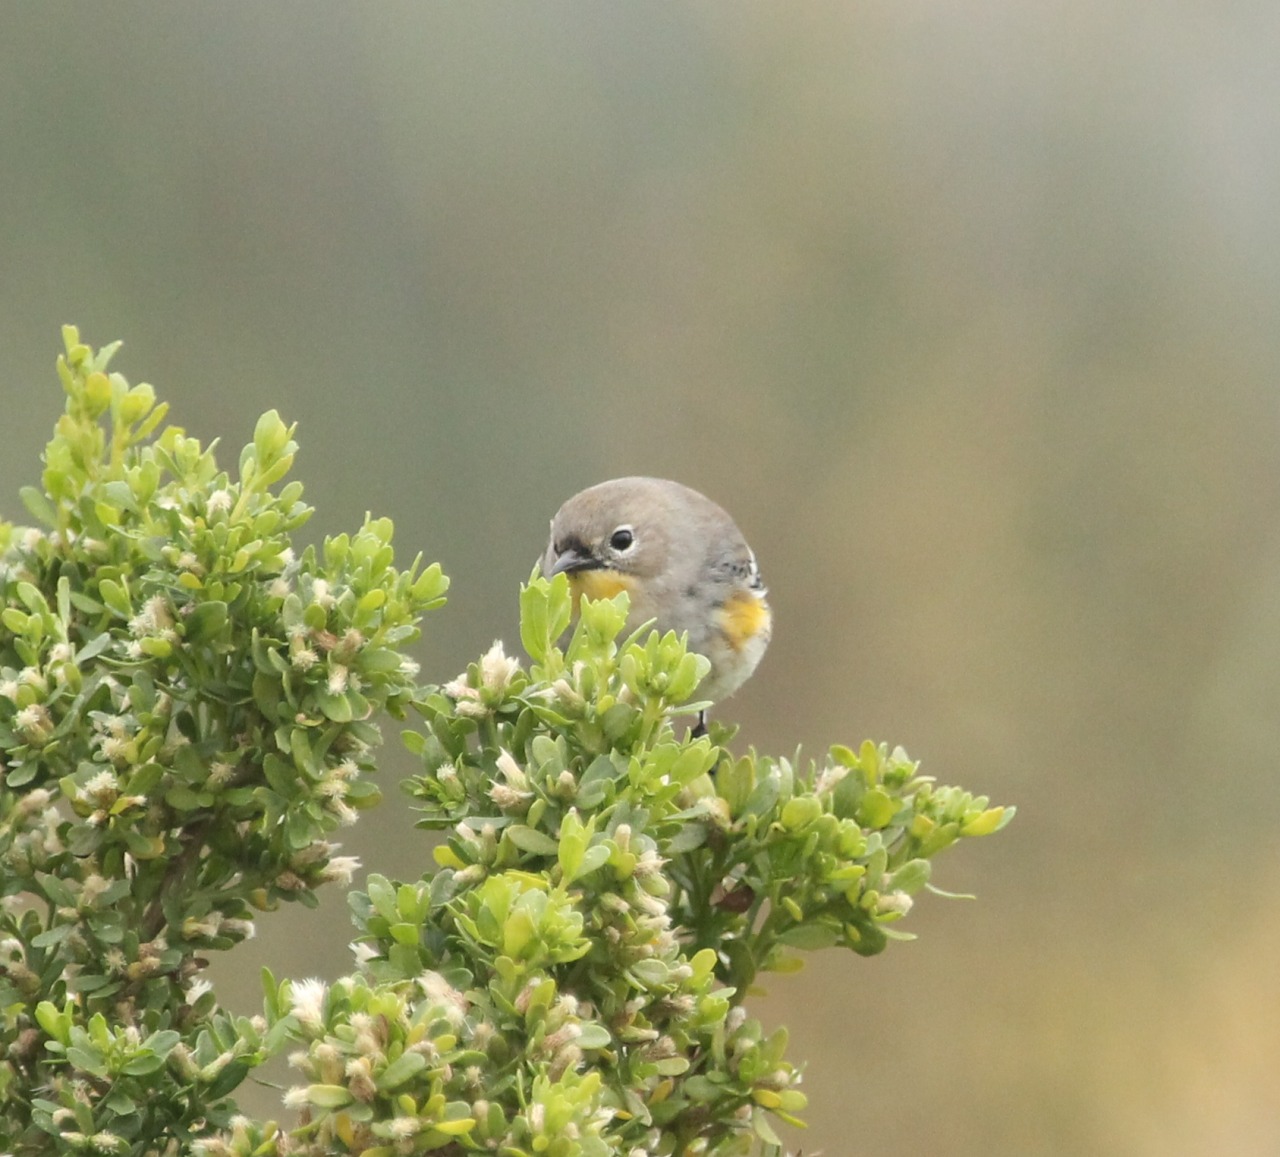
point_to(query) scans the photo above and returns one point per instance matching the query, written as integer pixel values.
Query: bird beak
(573, 559)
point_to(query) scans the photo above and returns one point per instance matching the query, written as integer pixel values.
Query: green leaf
(763, 798)
(120, 494)
(689, 837)
(120, 1103)
(116, 596)
(530, 840)
(52, 936)
(90, 1060)
(183, 799)
(535, 632)
(911, 877)
(38, 506)
(382, 895)
(400, 1070)
(987, 822)
(594, 857)
(430, 586)
(800, 811)
(95, 646)
(811, 936)
(155, 646)
(82, 602)
(24, 773)
(380, 660)
(597, 783)
(270, 436)
(335, 707)
(142, 1065)
(55, 1023)
(32, 599)
(877, 808)
(593, 1036)
(329, 1096)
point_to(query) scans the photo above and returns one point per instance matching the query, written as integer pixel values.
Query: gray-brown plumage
(681, 559)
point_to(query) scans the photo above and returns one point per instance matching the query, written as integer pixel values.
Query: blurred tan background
(967, 310)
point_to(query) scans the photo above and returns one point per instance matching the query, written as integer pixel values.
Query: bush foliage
(188, 710)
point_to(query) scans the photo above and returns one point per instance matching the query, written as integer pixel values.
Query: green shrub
(187, 712)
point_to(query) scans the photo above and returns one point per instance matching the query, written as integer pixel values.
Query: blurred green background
(967, 311)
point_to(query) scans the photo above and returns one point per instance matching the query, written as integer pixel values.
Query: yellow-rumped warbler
(682, 561)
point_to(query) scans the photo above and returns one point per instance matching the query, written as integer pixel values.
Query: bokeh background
(967, 310)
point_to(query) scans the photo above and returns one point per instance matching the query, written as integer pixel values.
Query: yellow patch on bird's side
(597, 584)
(743, 617)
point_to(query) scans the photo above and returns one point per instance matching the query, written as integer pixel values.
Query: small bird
(682, 561)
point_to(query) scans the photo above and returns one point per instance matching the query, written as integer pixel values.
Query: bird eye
(622, 538)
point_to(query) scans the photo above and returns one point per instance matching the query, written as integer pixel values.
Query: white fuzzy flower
(895, 904)
(341, 869)
(100, 789)
(459, 688)
(345, 814)
(33, 720)
(306, 1001)
(511, 771)
(402, 1128)
(496, 670)
(113, 748)
(304, 658)
(220, 772)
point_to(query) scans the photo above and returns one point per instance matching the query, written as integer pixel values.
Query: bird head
(610, 536)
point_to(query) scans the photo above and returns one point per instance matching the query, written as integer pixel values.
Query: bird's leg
(699, 729)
